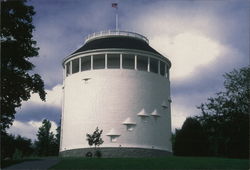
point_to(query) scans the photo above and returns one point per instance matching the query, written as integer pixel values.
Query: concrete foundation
(116, 152)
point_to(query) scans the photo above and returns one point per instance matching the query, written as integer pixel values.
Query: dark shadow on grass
(171, 162)
(6, 163)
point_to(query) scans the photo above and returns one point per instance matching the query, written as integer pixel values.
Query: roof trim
(120, 50)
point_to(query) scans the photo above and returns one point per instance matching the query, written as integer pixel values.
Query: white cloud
(53, 98)
(187, 51)
(188, 36)
(29, 129)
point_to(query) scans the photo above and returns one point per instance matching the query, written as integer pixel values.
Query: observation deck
(114, 33)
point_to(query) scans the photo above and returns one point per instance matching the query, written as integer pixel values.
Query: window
(130, 124)
(75, 65)
(153, 65)
(114, 138)
(99, 61)
(68, 69)
(85, 63)
(167, 72)
(113, 61)
(162, 68)
(128, 61)
(130, 127)
(142, 63)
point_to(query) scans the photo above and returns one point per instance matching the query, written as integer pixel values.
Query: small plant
(89, 155)
(95, 138)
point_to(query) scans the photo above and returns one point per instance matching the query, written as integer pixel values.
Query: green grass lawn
(170, 162)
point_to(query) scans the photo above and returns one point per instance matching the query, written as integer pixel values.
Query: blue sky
(202, 38)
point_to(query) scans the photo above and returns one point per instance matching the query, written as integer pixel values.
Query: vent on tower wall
(129, 124)
(113, 134)
(164, 105)
(155, 114)
(143, 115)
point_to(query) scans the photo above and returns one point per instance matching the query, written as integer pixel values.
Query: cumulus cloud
(36, 110)
(29, 129)
(187, 51)
(53, 98)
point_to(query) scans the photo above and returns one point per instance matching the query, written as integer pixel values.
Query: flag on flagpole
(114, 5)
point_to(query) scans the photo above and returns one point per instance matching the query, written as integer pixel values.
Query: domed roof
(117, 39)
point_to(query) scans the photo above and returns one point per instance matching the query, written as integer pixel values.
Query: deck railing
(114, 32)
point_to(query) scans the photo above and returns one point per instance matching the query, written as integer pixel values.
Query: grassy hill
(171, 162)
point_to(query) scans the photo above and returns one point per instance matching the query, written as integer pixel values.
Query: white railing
(114, 32)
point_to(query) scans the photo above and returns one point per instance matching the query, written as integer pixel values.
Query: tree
(225, 117)
(46, 140)
(190, 140)
(17, 46)
(11, 144)
(24, 145)
(57, 138)
(95, 138)
(7, 145)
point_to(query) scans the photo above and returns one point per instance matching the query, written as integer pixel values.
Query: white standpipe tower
(120, 84)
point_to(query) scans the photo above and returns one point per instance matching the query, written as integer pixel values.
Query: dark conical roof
(124, 42)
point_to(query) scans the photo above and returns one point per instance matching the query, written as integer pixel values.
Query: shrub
(98, 154)
(17, 155)
(89, 155)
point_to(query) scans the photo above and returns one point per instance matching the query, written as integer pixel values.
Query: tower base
(109, 152)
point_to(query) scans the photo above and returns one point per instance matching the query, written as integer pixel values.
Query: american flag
(115, 5)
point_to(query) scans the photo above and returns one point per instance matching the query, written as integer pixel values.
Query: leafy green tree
(95, 138)
(46, 142)
(11, 144)
(24, 145)
(7, 145)
(225, 117)
(57, 138)
(190, 140)
(17, 47)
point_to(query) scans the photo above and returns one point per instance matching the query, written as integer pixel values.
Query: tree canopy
(191, 139)
(225, 118)
(12, 143)
(18, 46)
(46, 143)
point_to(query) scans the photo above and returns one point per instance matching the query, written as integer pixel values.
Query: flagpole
(116, 21)
(115, 5)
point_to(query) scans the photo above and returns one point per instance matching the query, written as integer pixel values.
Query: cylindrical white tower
(118, 83)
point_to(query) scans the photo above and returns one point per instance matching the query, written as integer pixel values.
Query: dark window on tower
(142, 63)
(128, 61)
(153, 65)
(68, 69)
(85, 63)
(162, 68)
(113, 60)
(99, 61)
(75, 65)
(167, 72)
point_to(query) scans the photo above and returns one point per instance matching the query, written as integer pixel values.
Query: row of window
(117, 61)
